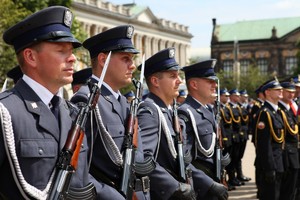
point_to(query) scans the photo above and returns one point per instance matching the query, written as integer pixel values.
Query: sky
(198, 14)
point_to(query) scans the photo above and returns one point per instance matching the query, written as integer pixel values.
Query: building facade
(151, 34)
(270, 45)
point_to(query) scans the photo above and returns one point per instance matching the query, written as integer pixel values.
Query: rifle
(218, 146)
(68, 157)
(128, 174)
(179, 143)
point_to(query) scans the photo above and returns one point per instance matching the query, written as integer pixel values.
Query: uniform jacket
(163, 184)
(244, 122)
(226, 125)
(268, 150)
(252, 117)
(206, 126)
(114, 115)
(236, 121)
(38, 141)
(290, 154)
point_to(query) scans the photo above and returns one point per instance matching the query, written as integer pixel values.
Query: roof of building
(256, 29)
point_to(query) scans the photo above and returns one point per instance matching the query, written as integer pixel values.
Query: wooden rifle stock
(68, 157)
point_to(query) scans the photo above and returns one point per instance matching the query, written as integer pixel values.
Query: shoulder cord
(238, 120)
(109, 144)
(206, 152)
(167, 132)
(224, 117)
(273, 134)
(287, 125)
(245, 119)
(9, 143)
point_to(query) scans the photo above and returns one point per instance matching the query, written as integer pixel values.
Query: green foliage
(250, 82)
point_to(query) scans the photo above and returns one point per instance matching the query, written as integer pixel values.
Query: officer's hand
(219, 190)
(183, 192)
(270, 176)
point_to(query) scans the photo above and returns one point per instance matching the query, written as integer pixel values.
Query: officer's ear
(193, 84)
(29, 56)
(101, 59)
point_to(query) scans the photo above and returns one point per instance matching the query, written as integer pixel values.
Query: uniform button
(41, 152)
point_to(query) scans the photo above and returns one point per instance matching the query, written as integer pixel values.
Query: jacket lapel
(34, 104)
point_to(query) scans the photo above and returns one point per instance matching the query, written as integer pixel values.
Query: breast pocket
(117, 132)
(38, 148)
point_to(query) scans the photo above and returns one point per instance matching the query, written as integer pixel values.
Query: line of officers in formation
(32, 134)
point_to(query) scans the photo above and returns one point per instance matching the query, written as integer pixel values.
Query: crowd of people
(184, 145)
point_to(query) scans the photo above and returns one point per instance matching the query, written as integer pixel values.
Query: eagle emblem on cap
(68, 18)
(172, 53)
(130, 31)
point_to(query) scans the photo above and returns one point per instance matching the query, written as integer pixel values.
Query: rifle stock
(68, 157)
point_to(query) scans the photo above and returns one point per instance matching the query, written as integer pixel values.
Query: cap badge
(172, 53)
(129, 31)
(68, 18)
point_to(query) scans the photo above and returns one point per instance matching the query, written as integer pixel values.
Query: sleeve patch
(261, 125)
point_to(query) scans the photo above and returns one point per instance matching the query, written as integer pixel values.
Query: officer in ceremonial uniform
(31, 135)
(80, 78)
(226, 126)
(269, 142)
(109, 127)
(243, 108)
(155, 121)
(200, 123)
(290, 152)
(234, 110)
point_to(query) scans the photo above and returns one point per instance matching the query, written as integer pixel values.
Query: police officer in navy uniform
(243, 108)
(269, 142)
(234, 111)
(80, 78)
(290, 152)
(226, 126)
(109, 127)
(200, 123)
(31, 136)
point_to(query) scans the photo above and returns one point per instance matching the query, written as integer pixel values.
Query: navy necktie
(55, 106)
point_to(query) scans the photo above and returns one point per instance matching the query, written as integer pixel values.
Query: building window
(262, 65)
(228, 68)
(244, 67)
(290, 65)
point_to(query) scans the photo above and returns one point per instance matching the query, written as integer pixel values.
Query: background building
(151, 35)
(269, 44)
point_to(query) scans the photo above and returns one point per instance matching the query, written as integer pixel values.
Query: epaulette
(145, 109)
(182, 116)
(5, 94)
(257, 103)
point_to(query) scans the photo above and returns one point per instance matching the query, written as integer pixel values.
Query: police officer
(200, 124)
(234, 110)
(107, 159)
(226, 126)
(31, 136)
(158, 135)
(80, 78)
(290, 152)
(269, 142)
(244, 113)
